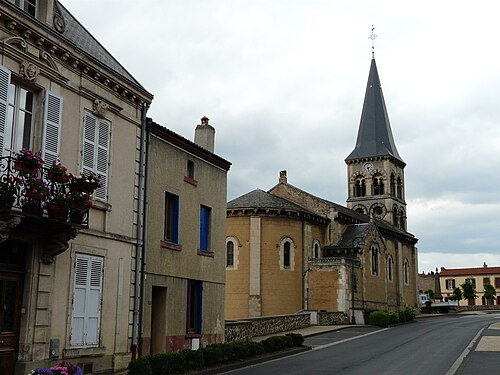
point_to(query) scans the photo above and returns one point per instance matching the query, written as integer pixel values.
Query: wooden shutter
(52, 128)
(4, 105)
(96, 137)
(85, 322)
(199, 308)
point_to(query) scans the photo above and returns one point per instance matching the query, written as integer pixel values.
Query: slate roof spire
(374, 134)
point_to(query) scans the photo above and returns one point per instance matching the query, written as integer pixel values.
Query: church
(288, 250)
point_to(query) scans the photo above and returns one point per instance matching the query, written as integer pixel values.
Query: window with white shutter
(4, 102)
(52, 128)
(87, 290)
(95, 158)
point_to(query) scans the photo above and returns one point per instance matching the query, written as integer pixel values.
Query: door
(10, 314)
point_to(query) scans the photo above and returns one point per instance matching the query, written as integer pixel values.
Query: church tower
(374, 168)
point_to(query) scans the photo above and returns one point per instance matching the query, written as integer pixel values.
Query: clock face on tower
(368, 167)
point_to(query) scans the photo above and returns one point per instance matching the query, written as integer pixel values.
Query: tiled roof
(469, 271)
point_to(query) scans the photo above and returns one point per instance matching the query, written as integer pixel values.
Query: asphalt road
(425, 347)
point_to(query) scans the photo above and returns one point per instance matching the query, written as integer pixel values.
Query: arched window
(393, 184)
(402, 221)
(286, 254)
(229, 254)
(399, 188)
(378, 185)
(316, 250)
(374, 251)
(359, 187)
(395, 216)
(390, 265)
(406, 272)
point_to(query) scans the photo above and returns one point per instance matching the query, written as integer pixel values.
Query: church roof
(82, 40)
(260, 199)
(374, 134)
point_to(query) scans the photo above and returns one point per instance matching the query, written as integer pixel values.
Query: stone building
(186, 224)
(67, 286)
(289, 250)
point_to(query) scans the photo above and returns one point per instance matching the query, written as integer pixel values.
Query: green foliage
(469, 291)
(139, 367)
(393, 317)
(456, 295)
(489, 293)
(430, 293)
(379, 318)
(297, 338)
(277, 343)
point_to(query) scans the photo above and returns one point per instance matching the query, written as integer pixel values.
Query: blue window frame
(205, 213)
(171, 230)
(194, 307)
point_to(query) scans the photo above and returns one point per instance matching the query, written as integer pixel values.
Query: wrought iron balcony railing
(42, 193)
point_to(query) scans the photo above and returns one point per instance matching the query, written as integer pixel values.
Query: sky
(283, 83)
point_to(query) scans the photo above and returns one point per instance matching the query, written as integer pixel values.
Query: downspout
(139, 243)
(303, 270)
(145, 233)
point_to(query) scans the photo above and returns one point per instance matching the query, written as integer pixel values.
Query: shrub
(297, 338)
(277, 343)
(379, 318)
(139, 366)
(255, 349)
(393, 317)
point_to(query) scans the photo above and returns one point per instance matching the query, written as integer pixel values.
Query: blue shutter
(204, 226)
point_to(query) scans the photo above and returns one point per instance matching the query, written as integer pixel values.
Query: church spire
(374, 135)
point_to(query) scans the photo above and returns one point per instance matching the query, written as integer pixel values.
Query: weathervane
(372, 37)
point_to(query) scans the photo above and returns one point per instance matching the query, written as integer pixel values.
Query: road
(427, 346)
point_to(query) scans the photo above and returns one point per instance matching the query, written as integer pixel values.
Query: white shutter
(89, 141)
(4, 105)
(86, 318)
(102, 158)
(52, 128)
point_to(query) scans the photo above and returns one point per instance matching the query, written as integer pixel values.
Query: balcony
(43, 205)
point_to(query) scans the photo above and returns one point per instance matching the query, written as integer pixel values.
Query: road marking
(453, 369)
(488, 344)
(345, 340)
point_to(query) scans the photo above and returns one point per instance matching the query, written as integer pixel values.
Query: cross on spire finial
(372, 37)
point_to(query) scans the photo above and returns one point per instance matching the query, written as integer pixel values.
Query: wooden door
(10, 314)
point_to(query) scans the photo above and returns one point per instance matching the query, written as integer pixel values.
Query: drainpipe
(145, 234)
(138, 300)
(303, 270)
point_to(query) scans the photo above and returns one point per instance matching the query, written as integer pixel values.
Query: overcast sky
(283, 84)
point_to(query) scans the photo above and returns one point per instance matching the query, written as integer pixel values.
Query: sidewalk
(308, 331)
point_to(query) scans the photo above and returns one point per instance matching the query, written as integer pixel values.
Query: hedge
(211, 355)
(383, 319)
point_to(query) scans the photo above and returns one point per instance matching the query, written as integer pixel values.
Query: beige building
(184, 271)
(67, 287)
(289, 250)
(451, 278)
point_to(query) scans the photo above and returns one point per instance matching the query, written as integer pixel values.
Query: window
(190, 169)
(194, 307)
(450, 284)
(486, 280)
(471, 281)
(230, 254)
(28, 6)
(171, 231)
(406, 272)
(497, 282)
(19, 119)
(393, 184)
(316, 252)
(374, 251)
(86, 315)
(205, 213)
(390, 265)
(399, 188)
(395, 221)
(95, 158)
(286, 255)
(402, 221)
(378, 185)
(359, 187)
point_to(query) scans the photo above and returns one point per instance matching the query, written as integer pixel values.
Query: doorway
(159, 320)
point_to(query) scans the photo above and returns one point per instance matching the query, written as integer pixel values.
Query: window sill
(84, 352)
(171, 246)
(206, 253)
(193, 335)
(191, 181)
(103, 206)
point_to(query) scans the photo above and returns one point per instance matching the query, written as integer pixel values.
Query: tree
(456, 295)
(489, 293)
(469, 291)
(430, 293)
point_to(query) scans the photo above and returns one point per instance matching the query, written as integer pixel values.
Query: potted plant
(35, 193)
(58, 172)
(62, 368)
(87, 182)
(27, 161)
(79, 204)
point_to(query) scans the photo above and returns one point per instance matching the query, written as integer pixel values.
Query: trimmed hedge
(383, 319)
(211, 355)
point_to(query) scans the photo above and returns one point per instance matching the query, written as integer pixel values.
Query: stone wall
(478, 307)
(332, 318)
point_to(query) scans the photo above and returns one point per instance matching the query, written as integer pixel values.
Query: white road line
(349, 339)
(453, 369)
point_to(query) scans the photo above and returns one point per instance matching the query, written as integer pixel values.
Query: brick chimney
(204, 135)
(282, 179)
(485, 265)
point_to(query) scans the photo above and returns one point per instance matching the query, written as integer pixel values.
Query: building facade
(186, 225)
(359, 257)
(67, 287)
(451, 278)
